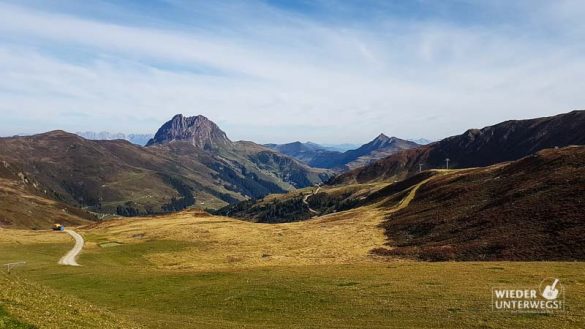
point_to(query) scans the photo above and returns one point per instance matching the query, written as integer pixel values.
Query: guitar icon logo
(551, 291)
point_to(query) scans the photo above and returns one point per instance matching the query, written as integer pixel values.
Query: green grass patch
(398, 295)
(8, 322)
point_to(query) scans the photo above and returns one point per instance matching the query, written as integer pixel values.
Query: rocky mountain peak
(382, 141)
(198, 130)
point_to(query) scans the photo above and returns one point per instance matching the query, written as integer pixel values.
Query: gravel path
(71, 257)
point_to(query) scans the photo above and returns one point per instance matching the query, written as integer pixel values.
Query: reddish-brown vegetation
(530, 209)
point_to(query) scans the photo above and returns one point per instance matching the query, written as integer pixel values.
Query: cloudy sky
(278, 71)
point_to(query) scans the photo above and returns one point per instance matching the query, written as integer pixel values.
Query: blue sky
(278, 71)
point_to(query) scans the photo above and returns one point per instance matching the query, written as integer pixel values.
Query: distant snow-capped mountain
(421, 141)
(138, 139)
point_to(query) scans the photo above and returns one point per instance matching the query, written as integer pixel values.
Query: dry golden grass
(225, 243)
(12, 236)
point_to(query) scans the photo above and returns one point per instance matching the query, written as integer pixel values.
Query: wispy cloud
(257, 64)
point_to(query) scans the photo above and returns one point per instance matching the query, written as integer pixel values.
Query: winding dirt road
(307, 197)
(71, 257)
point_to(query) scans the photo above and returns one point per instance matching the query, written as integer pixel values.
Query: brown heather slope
(506, 141)
(529, 209)
(22, 209)
(24, 205)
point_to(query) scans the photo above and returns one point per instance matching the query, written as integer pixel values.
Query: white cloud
(343, 84)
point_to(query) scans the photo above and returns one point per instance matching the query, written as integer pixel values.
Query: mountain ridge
(505, 141)
(320, 157)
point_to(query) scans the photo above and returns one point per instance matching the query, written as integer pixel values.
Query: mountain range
(506, 141)
(138, 139)
(189, 160)
(320, 157)
(491, 146)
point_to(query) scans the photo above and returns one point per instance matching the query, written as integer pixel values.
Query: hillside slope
(529, 209)
(509, 140)
(24, 205)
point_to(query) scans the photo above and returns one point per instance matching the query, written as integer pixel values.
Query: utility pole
(447, 162)
(420, 167)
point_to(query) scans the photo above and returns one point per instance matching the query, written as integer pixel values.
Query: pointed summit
(198, 130)
(381, 145)
(383, 138)
(382, 141)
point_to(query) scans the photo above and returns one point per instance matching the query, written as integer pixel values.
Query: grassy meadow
(192, 271)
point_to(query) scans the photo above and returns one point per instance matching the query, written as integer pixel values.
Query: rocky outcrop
(198, 130)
